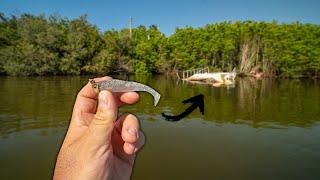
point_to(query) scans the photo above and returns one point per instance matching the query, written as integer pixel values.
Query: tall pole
(130, 27)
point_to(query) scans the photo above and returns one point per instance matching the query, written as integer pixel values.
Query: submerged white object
(221, 77)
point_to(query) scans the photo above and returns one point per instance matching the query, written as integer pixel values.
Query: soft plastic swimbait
(116, 85)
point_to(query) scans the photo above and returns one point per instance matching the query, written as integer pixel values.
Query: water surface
(259, 129)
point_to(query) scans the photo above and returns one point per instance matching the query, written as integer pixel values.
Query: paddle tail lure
(116, 85)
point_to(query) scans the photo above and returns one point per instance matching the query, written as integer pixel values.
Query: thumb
(101, 126)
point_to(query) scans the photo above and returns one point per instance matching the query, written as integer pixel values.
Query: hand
(97, 146)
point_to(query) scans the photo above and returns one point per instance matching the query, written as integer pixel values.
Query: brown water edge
(257, 130)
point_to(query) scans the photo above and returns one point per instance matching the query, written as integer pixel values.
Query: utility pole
(130, 27)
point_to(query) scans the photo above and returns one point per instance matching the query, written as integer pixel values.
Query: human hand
(97, 146)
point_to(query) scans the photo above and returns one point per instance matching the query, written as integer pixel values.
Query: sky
(169, 14)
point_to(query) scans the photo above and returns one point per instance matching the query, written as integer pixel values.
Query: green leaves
(40, 45)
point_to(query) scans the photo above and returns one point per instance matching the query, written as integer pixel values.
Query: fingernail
(133, 132)
(135, 150)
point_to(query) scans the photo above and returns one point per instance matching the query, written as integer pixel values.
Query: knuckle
(99, 119)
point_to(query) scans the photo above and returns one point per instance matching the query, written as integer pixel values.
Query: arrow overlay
(197, 101)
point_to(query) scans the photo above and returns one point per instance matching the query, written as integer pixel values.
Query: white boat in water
(218, 77)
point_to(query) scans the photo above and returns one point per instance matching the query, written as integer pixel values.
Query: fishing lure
(116, 85)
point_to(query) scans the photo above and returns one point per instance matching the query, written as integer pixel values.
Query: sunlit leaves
(40, 45)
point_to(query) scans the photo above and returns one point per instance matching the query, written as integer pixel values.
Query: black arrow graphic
(197, 101)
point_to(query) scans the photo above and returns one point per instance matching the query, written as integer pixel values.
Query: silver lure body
(116, 85)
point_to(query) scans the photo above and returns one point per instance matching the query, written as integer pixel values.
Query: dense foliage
(36, 45)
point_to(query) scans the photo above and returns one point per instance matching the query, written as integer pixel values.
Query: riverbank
(171, 74)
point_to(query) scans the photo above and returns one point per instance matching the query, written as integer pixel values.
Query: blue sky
(169, 14)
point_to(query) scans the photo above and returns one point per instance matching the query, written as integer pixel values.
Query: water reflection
(259, 103)
(236, 138)
(35, 103)
(46, 102)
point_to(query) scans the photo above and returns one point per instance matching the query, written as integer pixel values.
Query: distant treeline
(54, 45)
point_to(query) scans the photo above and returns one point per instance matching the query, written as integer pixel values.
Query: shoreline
(164, 74)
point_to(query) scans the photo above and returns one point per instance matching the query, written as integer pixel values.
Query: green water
(259, 129)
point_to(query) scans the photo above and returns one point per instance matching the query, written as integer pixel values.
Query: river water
(258, 129)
